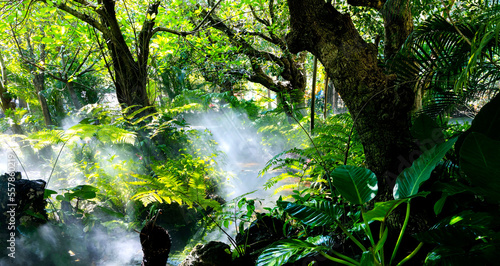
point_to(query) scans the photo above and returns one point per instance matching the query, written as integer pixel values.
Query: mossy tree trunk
(380, 109)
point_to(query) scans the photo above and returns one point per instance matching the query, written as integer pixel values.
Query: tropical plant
(451, 63)
(356, 186)
(469, 187)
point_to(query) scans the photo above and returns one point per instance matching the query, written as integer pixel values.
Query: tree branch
(377, 4)
(260, 77)
(86, 3)
(261, 35)
(247, 49)
(185, 33)
(263, 21)
(82, 16)
(271, 10)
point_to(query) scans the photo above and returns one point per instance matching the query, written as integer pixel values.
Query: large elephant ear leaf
(480, 160)
(409, 181)
(357, 185)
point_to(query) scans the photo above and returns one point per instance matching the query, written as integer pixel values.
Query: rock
(24, 198)
(213, 253)
(156, 243)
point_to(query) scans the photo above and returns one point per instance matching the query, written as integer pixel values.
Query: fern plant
(185, 181)
(310, 162)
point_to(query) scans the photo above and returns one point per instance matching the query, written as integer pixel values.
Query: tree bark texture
(380, 109)
(129, 73)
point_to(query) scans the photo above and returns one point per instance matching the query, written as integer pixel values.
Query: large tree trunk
(130, 75)
(380, 110)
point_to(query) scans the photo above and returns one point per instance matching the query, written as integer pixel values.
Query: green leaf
(438, 206)
(358, 185)
(480, 160)
(48, 192)
(288, 250)
(460, 230)
(111, 212)
(409, 181)
(381, 242)
(382, 210)
(62, 198)
(487, 121)
(83, 192)
(367, 259)
(318, 213)
(36, 215)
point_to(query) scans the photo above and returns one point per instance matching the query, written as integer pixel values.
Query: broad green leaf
(480, 160)
(487, 122)
(288, 250)
(381, 242)
(409, 181)
(358, 185)
(383, 209)
(318, 213)
(449, 255)
(460, 230)
(438, 206)
(48, 192)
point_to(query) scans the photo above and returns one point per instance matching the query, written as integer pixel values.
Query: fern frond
(107, 134)
(42, 139)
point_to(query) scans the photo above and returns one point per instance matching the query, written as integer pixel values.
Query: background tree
(260, 39)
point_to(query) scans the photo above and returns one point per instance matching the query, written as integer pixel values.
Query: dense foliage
(139, 112)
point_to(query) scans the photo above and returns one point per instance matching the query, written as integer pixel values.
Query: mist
(243, 155)
(241, 158)
(75, 241)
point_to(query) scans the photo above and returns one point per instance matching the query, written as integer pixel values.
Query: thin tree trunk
(269, 97)
(326, 97)
(39, 84)
(313, 92)
(73, 96)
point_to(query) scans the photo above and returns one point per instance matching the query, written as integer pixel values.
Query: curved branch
(263, 21)
(271, 10)
(247, 49)
(185, 33)
(82, 16)
(261, 35)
